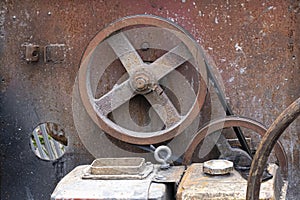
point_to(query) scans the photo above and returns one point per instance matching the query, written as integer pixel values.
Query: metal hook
(163, 161)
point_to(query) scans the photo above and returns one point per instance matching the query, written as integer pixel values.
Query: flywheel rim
(119, 131)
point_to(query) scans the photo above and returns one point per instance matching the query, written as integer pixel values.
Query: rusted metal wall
(255, 45)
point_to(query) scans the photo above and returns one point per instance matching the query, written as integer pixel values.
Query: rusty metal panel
(254, 45)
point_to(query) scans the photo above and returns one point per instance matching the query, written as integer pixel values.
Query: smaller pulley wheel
(142, 79)
(229, 122)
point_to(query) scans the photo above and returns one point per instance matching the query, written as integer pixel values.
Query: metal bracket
(32, 53)
(242, 161)
(55, 53)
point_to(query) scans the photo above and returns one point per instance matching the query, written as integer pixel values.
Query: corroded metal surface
(268, 141)
(254, 45)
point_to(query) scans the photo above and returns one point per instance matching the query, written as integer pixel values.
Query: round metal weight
(142, 79)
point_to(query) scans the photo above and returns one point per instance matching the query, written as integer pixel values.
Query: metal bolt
(145, 46)
(140, 83)
(49, 13)
(157, 89)
(14, 17)
(148, 163)
(160, 177)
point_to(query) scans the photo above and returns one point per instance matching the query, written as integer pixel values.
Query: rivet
(145, 46)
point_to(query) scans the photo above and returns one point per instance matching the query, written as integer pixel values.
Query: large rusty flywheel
(142, 80)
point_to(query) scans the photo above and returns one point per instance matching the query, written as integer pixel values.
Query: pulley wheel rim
(147, 86)
(229, 122)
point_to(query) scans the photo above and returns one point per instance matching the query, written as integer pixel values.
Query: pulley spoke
(125, 51)
(114, 98)
(170, 61)
(164, 108)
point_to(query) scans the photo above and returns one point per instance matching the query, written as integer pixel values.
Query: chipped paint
(243, 70)
(231, 80)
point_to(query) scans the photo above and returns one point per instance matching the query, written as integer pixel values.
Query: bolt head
(141, 82)
(217, 167)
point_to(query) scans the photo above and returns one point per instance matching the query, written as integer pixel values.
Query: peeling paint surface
(254, 44)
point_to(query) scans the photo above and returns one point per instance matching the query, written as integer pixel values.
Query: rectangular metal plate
(117, 166)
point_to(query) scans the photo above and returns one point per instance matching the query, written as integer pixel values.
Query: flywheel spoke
(126, 52)
(170, 61)
(114, 98)
(164, 108)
